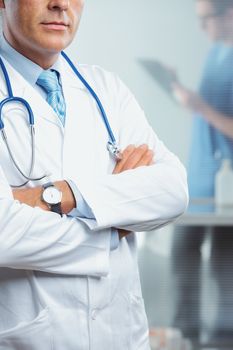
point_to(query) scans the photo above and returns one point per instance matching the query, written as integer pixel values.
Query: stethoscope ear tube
(21, 101)
(28, 178)
(32, 135)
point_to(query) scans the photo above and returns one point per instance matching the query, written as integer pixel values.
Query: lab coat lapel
(22, 88)
(40, 107)
(79, 140)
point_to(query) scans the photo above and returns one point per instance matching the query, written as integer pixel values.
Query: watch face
(52, 195)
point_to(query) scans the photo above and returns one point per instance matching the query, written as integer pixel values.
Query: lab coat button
(93, 314)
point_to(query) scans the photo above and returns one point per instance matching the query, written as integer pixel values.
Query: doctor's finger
(125, 155)
(135, 157)
(146, 159)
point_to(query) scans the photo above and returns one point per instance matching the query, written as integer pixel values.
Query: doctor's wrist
(68, 202)
(30, 196)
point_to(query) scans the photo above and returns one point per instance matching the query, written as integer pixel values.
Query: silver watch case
(52, 195)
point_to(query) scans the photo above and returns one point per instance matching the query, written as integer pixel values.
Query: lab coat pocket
(33, 335)
(139, 326)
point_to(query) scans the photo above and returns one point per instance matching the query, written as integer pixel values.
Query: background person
(212, 141)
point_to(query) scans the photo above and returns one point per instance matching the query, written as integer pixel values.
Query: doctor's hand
(132, 158)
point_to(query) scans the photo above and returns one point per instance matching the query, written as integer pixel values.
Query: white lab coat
(61, 287)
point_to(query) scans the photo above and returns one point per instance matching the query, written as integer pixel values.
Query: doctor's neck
(43, 58)
(44, 61)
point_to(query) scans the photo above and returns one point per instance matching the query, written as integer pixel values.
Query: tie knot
(48, 80)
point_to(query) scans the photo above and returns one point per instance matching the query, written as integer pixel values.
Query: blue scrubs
(209, 146)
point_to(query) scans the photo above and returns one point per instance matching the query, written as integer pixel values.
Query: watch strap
(56, 208)
(48, 184)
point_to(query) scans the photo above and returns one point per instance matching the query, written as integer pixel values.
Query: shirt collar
(28, 69)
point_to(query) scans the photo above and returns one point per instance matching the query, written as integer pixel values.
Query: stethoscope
(111, 144)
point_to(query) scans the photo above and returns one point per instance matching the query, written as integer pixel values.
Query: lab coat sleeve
(84, 211)
(33, 239)
(140, 199)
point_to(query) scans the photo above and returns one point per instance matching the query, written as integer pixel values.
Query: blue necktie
(49, 81)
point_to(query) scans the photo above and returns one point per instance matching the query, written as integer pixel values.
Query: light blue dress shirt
(31, 72)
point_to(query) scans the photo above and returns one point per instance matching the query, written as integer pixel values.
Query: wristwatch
(52, 196)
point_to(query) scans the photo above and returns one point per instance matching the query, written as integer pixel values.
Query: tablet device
(162, 75)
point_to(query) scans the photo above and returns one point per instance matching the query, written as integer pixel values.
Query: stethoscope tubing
(94, 95)
(27, 177)
(32, 133)
(7, 79)
(21, 101)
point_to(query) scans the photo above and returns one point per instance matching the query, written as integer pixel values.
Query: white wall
(114, 33)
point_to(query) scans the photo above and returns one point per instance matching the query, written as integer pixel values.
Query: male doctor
(68, 267)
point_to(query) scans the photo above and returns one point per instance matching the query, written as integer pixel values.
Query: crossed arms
(132, 158)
